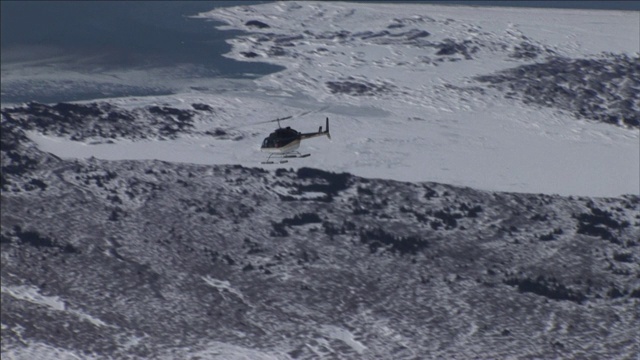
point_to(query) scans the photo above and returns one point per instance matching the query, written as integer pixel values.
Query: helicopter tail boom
(319, 133)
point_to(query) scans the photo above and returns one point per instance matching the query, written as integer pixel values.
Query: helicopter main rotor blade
(292, 116)
(313, 111)
(274, 120)
(260, 122)
(280, 119)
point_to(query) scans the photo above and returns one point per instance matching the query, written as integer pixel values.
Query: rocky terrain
(601, 89)
(203, 256)
(102, 122)
(149, 259)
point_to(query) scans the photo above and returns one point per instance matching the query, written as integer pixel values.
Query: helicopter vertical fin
(327, 131)
(320, 132)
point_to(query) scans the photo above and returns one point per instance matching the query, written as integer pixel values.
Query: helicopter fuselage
(281, 141)
(285, 140)
(279, 147)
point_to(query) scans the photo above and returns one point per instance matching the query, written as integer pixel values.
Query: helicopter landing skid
(283, 157)
(287, 156)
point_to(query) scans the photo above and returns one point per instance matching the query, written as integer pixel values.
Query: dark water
(97, 37)
(132, 33)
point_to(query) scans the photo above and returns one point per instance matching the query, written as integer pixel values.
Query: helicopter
(283, 143)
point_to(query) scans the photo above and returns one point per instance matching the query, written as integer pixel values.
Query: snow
(39, 351)
(424, 120)
(222, 285)
(281, 190)
(216, 350)
(343, 335)
(421, 129)
(32, 294)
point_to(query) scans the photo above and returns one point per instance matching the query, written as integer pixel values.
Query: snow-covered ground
(150, 259)
(404, 106)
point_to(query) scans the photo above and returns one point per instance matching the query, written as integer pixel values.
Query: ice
(416, 118)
